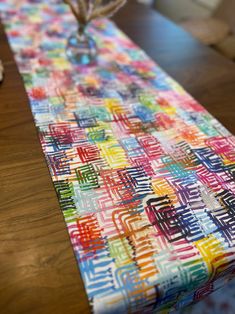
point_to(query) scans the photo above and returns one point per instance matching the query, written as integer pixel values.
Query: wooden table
(38, 271)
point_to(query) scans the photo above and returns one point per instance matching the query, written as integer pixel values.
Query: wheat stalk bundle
(87, 10)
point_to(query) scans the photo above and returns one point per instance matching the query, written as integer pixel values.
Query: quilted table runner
(143, 173)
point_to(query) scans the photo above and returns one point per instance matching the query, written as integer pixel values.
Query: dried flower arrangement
(87, 10)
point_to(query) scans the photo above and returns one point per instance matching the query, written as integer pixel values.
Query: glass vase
(81, 48)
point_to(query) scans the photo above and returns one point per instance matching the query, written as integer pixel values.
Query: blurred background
(210, 21)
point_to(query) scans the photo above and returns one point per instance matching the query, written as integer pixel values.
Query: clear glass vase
(81, 48)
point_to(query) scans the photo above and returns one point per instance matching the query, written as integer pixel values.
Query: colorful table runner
(143, 173)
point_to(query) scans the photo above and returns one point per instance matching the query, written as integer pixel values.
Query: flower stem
(81, 29)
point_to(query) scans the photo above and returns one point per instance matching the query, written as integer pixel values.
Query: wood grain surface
(38, 271)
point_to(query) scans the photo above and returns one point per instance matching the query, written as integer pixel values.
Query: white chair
(217, 30)
(209, 30)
